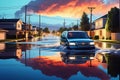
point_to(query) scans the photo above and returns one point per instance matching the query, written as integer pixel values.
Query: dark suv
(77, 40)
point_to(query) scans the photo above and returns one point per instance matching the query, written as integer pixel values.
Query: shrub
(110, 38)
(96, 37)
(103, 37)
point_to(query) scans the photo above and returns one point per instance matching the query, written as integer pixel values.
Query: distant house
(2, 34)
(34, 30)
(14, 27)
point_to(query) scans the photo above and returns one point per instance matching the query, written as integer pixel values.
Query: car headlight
(91, 43)
(71, 43)
(72, 57)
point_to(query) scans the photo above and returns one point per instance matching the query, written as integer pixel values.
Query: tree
(75, 27)
(112, 24)
(53, 32)
(62, 29)
(84, 24)
(46, 30)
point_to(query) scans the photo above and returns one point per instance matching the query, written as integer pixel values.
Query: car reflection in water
(113, 62)
(76, 57)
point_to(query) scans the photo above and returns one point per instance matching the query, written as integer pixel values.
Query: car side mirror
(63, 37)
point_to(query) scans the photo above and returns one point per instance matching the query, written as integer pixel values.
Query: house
(14, 27)
(99, 28)
(100, 31)
(2, 34)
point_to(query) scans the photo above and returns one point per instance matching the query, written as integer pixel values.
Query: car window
(74, 35)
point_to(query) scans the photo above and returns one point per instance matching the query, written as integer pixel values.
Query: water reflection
(54, 65)
(112, 60)
(76, 57)
(11, 51)
(2, 46)
(46, 62)
(105, 45)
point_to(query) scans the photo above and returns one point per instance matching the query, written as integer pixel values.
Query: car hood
(80, 40)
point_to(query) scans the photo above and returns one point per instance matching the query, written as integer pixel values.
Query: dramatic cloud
(69, 8)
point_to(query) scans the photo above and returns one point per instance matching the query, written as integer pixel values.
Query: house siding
(100, 28)
(99, 23)
(115, 36)
(2, 46)
(14, 27)
(2, 35)
(18, 26)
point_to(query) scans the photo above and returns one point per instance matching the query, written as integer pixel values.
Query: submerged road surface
(45, 59)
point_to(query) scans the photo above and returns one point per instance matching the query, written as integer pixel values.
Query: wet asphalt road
(45, 59)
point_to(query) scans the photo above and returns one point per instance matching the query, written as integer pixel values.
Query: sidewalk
(12, 40)
(109, 41)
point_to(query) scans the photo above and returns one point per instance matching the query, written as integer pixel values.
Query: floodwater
(45, 59)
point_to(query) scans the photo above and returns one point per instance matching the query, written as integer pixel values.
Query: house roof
(9, 20)
(105, 16)
(2, 30)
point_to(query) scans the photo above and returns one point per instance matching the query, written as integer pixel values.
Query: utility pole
(39, 24)
(119, 15)
(29, 18)
(25, 20)
(25, 13)
(64, 23)
(77, 25)
(91, 9)
(29, 23)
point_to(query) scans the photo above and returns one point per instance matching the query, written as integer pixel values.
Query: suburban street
(59, 39)
(45, 59)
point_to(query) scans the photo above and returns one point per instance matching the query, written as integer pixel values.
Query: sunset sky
(55, 11)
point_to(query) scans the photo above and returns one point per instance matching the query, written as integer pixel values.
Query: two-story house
(14, 27)
(99, 28)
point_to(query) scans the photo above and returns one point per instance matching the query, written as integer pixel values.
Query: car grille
(82, 44)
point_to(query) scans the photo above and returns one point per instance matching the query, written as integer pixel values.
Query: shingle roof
(105, 16)
(9, 20)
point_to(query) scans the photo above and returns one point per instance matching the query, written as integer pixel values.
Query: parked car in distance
(77, 40)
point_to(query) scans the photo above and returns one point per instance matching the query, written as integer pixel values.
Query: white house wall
(102, 33)
(99, 23)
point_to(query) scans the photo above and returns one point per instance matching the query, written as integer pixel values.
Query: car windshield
(77, 35)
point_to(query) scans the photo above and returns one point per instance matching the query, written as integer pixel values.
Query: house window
(19, 25)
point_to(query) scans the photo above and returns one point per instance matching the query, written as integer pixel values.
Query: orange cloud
(70, 8)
